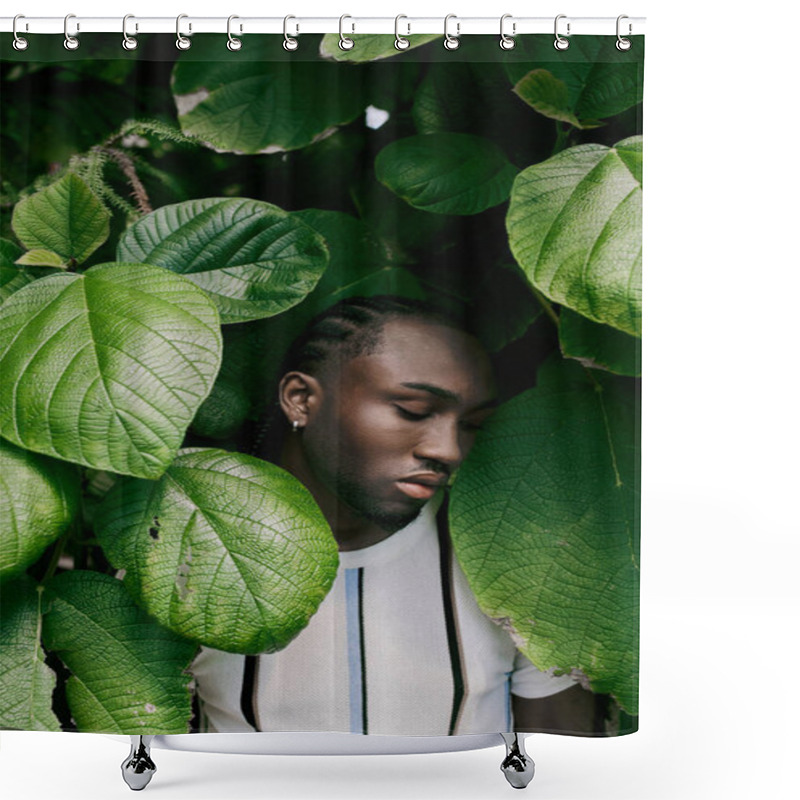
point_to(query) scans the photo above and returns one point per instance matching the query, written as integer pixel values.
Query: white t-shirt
(398, 647)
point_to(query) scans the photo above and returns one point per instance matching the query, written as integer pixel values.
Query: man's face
(392, 426)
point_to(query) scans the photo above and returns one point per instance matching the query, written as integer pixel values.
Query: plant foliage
(168, 227)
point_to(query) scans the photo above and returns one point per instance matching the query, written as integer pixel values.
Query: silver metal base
(517, 766)
(138, 768)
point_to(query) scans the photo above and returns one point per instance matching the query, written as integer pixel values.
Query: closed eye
(410, 415)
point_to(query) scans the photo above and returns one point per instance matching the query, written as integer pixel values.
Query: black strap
(445, 566)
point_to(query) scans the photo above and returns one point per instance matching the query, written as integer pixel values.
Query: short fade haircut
(353, 327)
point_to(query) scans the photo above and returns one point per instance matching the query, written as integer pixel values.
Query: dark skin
(406, 417)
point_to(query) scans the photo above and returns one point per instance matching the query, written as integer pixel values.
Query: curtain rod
(408, 26)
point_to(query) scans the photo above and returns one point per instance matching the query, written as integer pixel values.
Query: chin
(388, 512)
(390, 517)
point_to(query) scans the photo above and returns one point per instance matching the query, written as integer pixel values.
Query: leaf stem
(56, 557)
(546, 305)
(562, 136)
(599, 391)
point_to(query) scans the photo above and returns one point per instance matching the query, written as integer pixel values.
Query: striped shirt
(398, 647)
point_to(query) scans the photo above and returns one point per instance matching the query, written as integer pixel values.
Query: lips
(421, 487)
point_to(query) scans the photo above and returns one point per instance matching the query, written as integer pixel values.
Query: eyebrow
(446, 394)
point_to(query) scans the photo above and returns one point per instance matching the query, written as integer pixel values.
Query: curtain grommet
(451, 42)
(345, 42)
(507, 42)
(182, 42)
(129, 42)
(71, 43)
(289, 43)
(20, 43)
(233, 43)
(400, 42)
(622, 43)
(560, 43)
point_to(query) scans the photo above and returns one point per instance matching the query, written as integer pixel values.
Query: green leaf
(106, 368)
(41, 258)
(360, 266)
(65, 218)
(223, 411)
(370, 46)
(360, 263)
(26, 689)
(548, 95)
(9, 253)
(544, 518)
(11, 276)
(254, 259)
(504, 306)
(599, 346)
(441, 102)
(227, 550)
(574, 225)
(446, 173)
(600, 81)
(129, 674)
(38, 499)
(265, 106)
(407, 232)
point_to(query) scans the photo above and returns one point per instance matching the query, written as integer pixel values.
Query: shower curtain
(320, 385)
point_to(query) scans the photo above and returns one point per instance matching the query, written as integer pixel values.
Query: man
(383, 398)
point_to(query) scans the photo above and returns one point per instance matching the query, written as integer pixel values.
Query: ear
(300, 396)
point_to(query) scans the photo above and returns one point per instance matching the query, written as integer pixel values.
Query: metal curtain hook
(19, 42)
(71, 42)
(129, 42)
(507, 42)
(401, 43)
(288, 42)
(451, 42)
(345, 43)
(560, 42)
(182, 43)
(233, 43)
(622, 43)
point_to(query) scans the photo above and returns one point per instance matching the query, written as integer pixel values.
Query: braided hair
(353, 327)
(350, 328)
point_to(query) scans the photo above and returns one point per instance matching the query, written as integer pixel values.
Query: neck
(351, 531)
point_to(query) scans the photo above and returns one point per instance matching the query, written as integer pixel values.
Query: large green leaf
(226, 549)
(65, 218)
(446, 173)
(38, 499)
(370, 46)
(544, 518)
(264, 106)
(599, 346)
(253, 258)
(128, 673)
(26, 682)
(598, 80)
(575, 226)
(106, 368)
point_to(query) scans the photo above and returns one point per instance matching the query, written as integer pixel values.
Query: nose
(442, 442)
